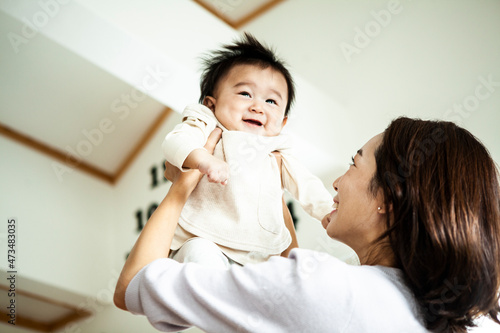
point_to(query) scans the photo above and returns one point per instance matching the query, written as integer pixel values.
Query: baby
(235, 213)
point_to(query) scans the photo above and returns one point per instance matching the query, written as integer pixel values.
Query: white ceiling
(45, 85)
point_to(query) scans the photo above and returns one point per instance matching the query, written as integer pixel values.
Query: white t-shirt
(308, 292)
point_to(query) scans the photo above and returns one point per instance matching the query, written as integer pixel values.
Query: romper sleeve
(280, 295)
(198, 122)
(305, 187)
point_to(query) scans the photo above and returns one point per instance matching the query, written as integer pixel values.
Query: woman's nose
(336, 184)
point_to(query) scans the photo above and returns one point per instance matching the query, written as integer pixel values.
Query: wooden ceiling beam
(142, 143)
(54, 153)
(75, 314)
(80, 164)
(259, 11)
(27, 323)
(245, 19)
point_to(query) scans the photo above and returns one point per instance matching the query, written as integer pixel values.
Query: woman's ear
(210, 102)
(384, 209)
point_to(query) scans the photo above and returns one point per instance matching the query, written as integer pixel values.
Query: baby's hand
(217, 170)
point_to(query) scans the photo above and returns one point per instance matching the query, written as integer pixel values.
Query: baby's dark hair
(247, 51)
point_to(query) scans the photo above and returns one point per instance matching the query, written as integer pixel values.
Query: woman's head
(359, 214)
(442, 190)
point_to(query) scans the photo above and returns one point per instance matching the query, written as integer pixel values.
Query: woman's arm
(156, 237)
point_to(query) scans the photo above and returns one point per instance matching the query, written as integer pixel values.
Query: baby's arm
(183, 146)
(217, 170)
(306, 188)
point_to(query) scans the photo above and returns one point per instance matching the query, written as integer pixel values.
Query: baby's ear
(284, 121)
(209, 102)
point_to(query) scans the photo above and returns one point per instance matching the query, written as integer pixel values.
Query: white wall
(64, 234)
(63, 227)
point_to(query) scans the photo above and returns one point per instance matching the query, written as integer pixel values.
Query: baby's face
(251, 99)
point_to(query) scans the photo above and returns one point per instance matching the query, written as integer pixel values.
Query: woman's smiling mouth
(335, 204)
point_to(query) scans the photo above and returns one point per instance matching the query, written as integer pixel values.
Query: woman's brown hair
(443, 188)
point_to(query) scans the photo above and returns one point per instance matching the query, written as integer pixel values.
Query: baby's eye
(352, 163)
(271, 101)
(244, 93)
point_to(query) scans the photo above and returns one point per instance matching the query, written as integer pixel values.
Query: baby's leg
(202, 251)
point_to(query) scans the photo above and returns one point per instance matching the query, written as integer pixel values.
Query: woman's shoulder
(377, 295)
(328, 267)
(384, 297)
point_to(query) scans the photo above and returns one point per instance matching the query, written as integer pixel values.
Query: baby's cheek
(275, 128)
(278, 122)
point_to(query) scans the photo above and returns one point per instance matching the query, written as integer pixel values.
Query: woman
(420, 205)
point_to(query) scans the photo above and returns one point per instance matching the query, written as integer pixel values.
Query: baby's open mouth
(253, 122)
